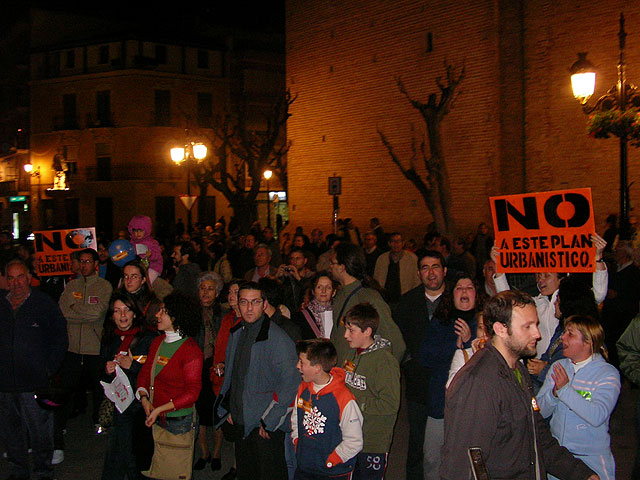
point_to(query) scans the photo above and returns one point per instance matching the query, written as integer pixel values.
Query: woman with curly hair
(125, 343)
(177, 376)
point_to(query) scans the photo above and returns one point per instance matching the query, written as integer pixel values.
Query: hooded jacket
(581, 411)
(326, 427)
(154, 253)
(373, 376)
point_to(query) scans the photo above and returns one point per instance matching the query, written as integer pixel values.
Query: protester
(373, 376)
(174, 368)
(84, 303)
(34, 342)
(348, 267)
(136, 284)
(453, 326)
(125, 344)
(259, 386)
(310, 318)
(489, 404)
(209, 287)
(325, 449)
(579, 394)
(146, 246)
(548, 283)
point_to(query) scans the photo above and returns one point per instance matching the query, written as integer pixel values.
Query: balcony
(8, 188)
(149, 173)
(102, 121)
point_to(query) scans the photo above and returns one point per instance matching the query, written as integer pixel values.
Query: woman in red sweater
(178, 371)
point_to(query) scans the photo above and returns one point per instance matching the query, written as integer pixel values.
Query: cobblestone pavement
(85, 451)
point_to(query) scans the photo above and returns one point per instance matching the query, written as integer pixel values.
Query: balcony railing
(134, 172)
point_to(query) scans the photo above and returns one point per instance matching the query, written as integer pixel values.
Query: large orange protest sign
(545, 231)
(53, 247)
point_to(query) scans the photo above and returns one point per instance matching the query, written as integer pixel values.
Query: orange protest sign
(545, 231)
(53, 247)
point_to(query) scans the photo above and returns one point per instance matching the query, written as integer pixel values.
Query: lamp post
(28, 168)
(267, 175)
(620, 97)
(191, 153)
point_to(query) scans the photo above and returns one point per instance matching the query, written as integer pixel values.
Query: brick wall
(515, 126)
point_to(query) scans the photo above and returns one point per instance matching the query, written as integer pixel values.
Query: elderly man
(262, 264)
(396, 269)
(490, 404)
(32, 346)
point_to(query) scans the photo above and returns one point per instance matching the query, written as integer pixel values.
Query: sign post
(335, 189)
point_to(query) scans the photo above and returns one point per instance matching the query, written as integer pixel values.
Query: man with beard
(186, 279)
(490, 404)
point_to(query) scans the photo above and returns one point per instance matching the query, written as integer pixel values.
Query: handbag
(172, 453)
(106, 413)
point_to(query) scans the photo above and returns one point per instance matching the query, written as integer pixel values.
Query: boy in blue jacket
(326, 421)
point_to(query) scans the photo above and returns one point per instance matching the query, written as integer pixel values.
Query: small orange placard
(53, 247)
(545, 231)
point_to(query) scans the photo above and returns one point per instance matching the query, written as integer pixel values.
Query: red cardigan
(180, 380)
(220, 349)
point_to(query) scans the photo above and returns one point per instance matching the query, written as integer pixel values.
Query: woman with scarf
(453, 326)
(320, 300)
(209, 287)
(125, 343)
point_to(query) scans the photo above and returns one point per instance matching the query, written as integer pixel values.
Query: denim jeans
(26, 425)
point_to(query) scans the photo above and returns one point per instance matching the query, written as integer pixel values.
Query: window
(203, 59)
(161, 54)
(204, 109)
(69, 119)
(103, 103)
(71, 59)
(103, 162)
(163, 108)
(103, 56)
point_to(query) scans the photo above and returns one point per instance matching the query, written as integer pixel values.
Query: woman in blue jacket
(579, 394)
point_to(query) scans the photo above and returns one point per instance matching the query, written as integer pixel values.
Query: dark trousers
(370, 466)
(120, 460)
(417, 416)
(26, 425)
(635, 475)
(82, 372)
(316, 476)
(258, 458)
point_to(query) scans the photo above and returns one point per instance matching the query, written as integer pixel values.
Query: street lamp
(267, 175)
(618, 98)
(28, 168)
(190, 153)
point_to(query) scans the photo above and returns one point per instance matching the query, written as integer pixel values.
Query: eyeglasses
(243, 302)
(85, 261)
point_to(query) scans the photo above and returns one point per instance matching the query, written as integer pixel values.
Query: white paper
(327, 322)
(141, 249)
(119, 390)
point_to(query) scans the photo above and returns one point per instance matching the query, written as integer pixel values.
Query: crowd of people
(293, 349)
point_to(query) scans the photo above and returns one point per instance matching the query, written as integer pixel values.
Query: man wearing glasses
(260, 384)
(84, 303)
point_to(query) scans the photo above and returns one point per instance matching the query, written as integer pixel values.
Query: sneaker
(58, 457)
(99, 429)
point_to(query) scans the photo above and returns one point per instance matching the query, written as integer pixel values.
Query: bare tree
(434, 186)
(243, 152)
